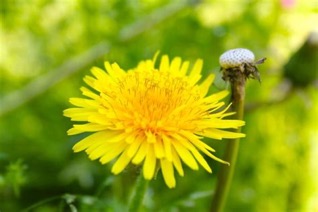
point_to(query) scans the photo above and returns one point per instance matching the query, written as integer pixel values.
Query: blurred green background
(48, 46)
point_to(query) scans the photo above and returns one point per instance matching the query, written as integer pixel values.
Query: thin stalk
(226, 173)
(138, 194)
(40, 203)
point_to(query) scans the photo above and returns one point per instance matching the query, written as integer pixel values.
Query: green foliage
(48, 46)
(302, 67)
(14, 178)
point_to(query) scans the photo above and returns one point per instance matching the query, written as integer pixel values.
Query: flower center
(154, 100)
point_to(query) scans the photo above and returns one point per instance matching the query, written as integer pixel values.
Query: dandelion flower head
(152, 117)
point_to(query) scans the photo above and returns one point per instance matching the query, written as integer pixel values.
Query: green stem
(226, 173)
(38, 204)
(139, 193)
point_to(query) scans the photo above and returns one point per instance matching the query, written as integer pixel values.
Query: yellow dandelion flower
(154, 117)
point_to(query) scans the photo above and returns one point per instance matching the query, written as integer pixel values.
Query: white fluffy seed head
(235, 57)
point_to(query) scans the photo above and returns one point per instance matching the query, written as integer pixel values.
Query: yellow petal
(196, 141)
(221, 124)
(121, 163)
(90, 127)
(141, 153)
(79, 114)
(218, 159)
(219, 134)
(201, 160)
(175, 65)
(100, 74)
(159, 149)
(150, 163)
(131, 138)
(216, 97)
(89, 93)
(176, 162)
(107, 66)
(185, 155)
(188, 145)
(99, 119)
(149, 65)
(154, 59)
(95, 146)
(90, 140)
(90, 81)
(196, 70)
(167, 146)
(85, 103)
(151, 138)
(221, 113)
(184, 68)
(100, 150)
(118, 137)
(117, 70)
(168, 173)
(164, 64)
(195, 74)
(206, 84)
(119, 148)
(133, 147)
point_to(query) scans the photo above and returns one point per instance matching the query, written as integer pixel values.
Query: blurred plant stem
(138, 193)
(226, 173)
(40, 203)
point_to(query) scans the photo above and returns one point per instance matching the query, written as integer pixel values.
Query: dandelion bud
(237, 61)
(235, 57)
